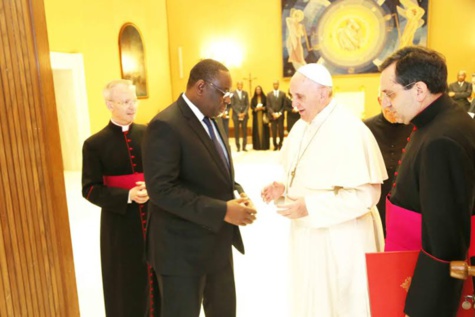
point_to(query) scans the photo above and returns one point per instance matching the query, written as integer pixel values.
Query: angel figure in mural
(349, 35)
(413, 14)
(294, 39)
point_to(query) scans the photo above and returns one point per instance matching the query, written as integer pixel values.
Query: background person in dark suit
(240, 106)
(225, 118)
(293, 114)
(472, 106)
(275, 111)
(193, 216)
(461, 90)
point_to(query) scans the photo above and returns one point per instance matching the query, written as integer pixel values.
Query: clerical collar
(432, 110)
(124, 127)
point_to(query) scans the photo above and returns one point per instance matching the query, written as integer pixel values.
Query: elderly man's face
(308, 97)
(123, 104)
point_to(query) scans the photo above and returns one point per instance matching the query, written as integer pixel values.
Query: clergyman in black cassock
(435, 179)
(112, 166)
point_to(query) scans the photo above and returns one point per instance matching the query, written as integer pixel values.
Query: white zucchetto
(317, 73)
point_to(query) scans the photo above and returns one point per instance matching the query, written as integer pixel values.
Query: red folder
(387, 292)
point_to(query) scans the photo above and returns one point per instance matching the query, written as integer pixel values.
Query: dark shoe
(276, 148)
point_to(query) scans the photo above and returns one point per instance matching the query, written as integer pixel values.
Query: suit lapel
(199, 130)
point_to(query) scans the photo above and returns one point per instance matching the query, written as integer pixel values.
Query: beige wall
(256, 25)
(92, 27)
(452, 32)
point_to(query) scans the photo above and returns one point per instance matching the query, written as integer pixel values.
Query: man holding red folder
(432, 199)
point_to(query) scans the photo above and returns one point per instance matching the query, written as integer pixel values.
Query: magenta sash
(404, 229)
(123, 181)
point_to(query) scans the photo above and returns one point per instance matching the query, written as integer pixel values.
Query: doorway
(84, 217)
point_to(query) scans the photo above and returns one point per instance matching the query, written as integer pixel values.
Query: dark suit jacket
(240, 105)
(292, 117)
(275, 104)
(462, 93)
(188, 185)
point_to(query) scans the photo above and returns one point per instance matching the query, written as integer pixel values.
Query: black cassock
(391, 138)
(437, 179)
(125, 274)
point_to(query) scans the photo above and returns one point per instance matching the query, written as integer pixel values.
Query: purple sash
(123, 181)
(404, 229)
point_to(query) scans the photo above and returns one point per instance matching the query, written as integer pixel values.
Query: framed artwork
(132, 58)
(349, 36)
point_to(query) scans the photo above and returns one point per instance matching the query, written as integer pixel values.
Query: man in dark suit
(225, 118)
(275, 110)
(461, 90)
(240, 106)
(193, 214)
(293, 114)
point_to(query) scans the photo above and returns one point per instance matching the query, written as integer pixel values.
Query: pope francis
(333, 174)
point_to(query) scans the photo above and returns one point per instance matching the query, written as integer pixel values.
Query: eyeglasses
(226, 94)
(392, 94)
(128, 102)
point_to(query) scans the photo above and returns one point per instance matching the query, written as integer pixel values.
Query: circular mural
(351, 34)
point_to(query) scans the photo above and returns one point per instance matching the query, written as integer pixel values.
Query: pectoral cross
(292, 174)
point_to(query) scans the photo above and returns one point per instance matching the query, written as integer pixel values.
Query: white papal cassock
(336, 159)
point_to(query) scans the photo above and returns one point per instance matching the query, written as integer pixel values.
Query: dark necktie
(218, 146)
